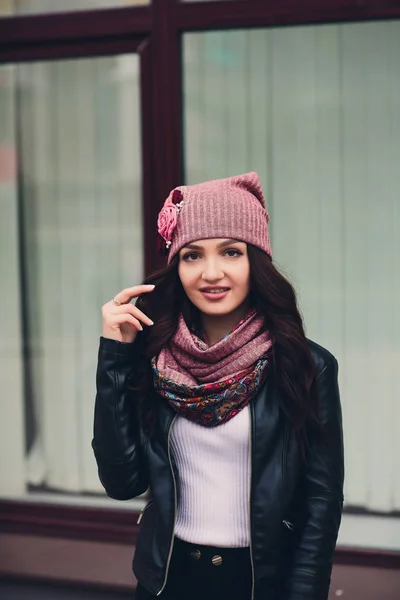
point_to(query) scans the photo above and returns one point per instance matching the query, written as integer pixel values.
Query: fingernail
(151, 322)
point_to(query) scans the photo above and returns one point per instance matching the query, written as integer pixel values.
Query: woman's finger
(134, 311)
(127, 294)
(127, 318)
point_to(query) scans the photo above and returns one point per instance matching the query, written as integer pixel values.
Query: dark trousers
(198, 573)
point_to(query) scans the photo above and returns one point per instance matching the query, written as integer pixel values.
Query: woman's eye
(186, 257)
(193, 255)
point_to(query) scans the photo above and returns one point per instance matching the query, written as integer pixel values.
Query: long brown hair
(275, 299)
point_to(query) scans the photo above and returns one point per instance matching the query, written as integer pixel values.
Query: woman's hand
(121, 319)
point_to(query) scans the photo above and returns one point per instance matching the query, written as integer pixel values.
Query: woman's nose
(212, 271)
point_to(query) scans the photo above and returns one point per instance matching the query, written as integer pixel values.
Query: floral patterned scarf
(211, 384)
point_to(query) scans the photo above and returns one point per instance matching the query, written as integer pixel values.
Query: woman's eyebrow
(220, 245)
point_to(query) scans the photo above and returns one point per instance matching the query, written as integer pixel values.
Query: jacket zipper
(143, 511)
(250, 523)
(171, 544)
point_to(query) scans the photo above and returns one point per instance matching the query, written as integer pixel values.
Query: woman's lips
(214, 295)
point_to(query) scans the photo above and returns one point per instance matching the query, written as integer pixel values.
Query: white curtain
(316, 111)
(82, 242)
(12, 440)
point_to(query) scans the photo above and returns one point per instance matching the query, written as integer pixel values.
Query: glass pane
(30, 7)
(81, 235)
(316, 111)
(12, 441)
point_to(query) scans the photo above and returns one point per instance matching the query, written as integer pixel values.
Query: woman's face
(215, 263)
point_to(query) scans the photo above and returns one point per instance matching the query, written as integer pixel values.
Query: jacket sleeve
(117, 442)
(324, 476)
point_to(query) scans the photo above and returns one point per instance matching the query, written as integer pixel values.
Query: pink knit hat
(223, 208)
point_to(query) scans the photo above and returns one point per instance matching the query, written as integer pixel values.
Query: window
(71, 236)
(316, 111)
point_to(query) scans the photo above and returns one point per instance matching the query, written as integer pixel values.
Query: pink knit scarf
(210, 384)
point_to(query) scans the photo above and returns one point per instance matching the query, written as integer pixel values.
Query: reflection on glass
(30, 7)
(82, 241)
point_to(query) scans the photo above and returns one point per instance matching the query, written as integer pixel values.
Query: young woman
(210, 396)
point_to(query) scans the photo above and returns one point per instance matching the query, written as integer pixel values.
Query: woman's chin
(216, 309)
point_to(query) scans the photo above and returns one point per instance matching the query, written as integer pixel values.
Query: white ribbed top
(213, 466)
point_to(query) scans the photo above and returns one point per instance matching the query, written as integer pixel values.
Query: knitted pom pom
(167, 220)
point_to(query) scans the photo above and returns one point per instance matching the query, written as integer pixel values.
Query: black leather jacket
(295, 508)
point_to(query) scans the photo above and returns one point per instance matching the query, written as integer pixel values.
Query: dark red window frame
(154, 32)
